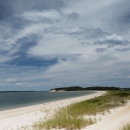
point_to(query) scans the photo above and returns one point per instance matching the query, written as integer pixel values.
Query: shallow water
(20, 99)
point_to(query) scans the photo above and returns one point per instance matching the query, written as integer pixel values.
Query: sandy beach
(114, 120)
(24, 117)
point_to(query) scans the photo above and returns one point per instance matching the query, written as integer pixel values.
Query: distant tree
(78, 88)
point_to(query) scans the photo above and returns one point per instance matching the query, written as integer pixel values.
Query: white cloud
(10, 80)
(113, 40)
(19, 84)
(42, 16)
(115, 37)
(6, 58)
(69, 36)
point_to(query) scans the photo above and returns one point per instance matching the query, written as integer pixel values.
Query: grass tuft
(72, 116)
(126, 127)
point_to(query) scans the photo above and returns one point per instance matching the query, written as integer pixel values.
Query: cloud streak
(50, 43)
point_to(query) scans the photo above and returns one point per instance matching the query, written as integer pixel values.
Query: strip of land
(26, 116)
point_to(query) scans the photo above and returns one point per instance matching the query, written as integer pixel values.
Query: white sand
(16, 118)
(26, 116)
(117, 118)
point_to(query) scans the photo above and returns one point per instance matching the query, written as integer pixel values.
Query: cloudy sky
(56, 43)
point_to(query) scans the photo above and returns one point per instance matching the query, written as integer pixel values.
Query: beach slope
(26, 116)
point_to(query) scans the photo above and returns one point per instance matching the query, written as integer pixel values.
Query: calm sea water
(21, 99)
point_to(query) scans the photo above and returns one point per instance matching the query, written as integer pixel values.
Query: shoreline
(24, 118)
(19, 117)
(42, 100)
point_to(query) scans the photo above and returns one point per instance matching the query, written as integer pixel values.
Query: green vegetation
(73, 88)
(73, 116)
(126, 127)
(102, 88)
(78, 88)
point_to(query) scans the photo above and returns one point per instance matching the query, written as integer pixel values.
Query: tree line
(78, 88)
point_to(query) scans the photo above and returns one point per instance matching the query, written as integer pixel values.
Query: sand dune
(117, 118)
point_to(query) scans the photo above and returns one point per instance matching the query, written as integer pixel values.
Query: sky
(46, 44)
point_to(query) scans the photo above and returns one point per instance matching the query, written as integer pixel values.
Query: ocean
(11, 100)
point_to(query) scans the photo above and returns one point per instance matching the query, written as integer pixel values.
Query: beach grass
(126, 127)
(72, 117)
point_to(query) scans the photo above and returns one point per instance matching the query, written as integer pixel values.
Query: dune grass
(126, 127)
(72, 116)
